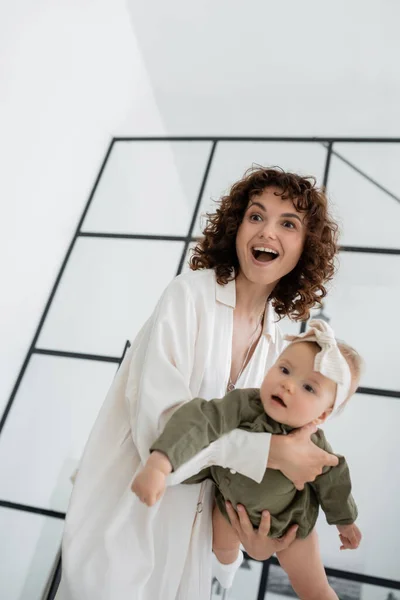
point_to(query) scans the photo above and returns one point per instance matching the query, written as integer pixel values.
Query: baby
(313, 377)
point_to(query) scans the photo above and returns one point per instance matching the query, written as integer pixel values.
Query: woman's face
(270, 239)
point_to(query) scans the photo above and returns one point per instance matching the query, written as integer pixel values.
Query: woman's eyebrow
(259, 205)
(286, 215)
(292, 215)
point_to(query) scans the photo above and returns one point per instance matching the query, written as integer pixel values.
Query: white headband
(330, 361)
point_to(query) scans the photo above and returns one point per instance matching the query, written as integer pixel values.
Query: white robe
(114, 547)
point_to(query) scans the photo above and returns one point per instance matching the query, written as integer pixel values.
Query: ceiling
(268, 68)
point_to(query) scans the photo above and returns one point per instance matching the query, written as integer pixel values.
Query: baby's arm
(191, 428)
(149, 484)
(198, 423)
(333, 490)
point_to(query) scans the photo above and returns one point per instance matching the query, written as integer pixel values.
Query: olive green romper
(198, 423)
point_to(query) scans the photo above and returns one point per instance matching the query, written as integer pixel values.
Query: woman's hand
(298, 457)
(256, 541)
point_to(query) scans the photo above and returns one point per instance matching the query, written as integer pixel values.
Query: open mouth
(264, 255)
(278, 400)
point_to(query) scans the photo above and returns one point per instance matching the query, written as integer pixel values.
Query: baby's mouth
(278, 400)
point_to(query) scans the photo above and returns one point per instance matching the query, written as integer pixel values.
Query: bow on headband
(329, 361)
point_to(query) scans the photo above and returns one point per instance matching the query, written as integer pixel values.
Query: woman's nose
(268, 231)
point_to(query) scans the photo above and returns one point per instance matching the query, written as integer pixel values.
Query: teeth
(262, 249)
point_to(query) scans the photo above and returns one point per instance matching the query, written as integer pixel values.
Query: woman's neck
(251, 297)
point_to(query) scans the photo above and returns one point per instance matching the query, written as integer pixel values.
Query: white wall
(69, 73)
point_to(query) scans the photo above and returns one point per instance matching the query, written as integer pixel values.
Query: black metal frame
(328, 143)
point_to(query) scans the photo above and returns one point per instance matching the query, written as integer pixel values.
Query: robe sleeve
(165, 357)
(198, 423)
(164, 384)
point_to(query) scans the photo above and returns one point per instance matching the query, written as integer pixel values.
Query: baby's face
(293, 393)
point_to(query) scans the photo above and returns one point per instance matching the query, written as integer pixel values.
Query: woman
(266, 253)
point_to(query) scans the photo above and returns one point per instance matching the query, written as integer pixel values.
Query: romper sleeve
(333, 488)
(198, 423)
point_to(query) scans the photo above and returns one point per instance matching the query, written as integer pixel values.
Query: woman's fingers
(240, 520)
(306, 431)
(289, 537)
(244, 520)
(232, 514)
(265, 524)
(302, 460)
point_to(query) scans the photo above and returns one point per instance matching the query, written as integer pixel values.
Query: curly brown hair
(301, 289)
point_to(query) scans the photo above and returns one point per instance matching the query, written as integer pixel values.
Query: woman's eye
(289, 225)
(308, 388)
(255, 217)
(285, 370)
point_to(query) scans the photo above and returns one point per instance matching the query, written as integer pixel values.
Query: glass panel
(360, 308)
(279, 588)
(374, 592)
(368, 216)
(47, 429)
(231, 160)
(28, 548)
(366, 433)
(109, 289)
(380, 162)
(149, 188)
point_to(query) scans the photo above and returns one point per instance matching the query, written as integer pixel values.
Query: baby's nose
(289, 386)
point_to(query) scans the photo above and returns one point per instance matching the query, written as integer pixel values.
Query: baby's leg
(227, 556)
(226, 543)
(302, 562)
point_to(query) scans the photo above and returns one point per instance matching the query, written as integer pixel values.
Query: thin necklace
(231, 385)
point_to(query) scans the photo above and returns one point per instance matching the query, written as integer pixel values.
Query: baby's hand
(350, 536)
(149, 485)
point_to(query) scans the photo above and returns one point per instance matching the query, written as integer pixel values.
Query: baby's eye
(308, 388)
(284, 370)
